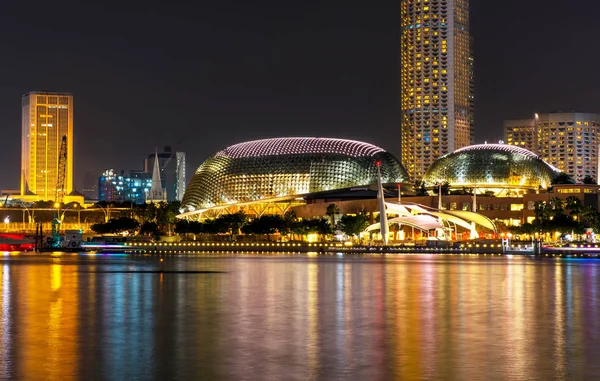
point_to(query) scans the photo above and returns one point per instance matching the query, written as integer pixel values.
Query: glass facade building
(492, 166)
(437, 81)
(280, 168)
(46, 118)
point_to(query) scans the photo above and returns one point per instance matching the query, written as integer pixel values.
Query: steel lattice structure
(280, 168)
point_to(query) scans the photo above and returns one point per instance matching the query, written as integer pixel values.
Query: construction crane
(55, 241)
(62, 169)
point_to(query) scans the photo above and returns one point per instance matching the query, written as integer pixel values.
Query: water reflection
(298, 318)
(312, 342)
(6, 323)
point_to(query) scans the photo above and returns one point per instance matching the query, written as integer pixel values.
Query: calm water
(299, 318)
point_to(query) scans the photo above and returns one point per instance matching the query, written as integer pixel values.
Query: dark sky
(201, 75)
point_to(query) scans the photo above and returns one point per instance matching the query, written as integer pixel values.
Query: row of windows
(52, 100)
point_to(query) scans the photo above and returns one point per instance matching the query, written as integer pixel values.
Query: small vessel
(69, 241)
(16, 242)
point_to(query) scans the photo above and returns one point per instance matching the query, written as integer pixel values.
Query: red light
(378, 163)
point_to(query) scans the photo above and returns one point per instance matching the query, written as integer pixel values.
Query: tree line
(268, 225)
(155, 220)
(566, 216)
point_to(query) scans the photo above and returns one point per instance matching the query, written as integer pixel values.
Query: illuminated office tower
(567, 140)
(437, 81)
(46, 118)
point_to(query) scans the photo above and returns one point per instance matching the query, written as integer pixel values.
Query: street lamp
(106, 212)
(62, 216)
(29, 217)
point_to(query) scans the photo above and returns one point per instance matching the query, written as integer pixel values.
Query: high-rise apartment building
(522, 133)
(46, 118)
(437, 81)
(568, 141)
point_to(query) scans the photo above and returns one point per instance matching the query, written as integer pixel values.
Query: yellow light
(312, 238)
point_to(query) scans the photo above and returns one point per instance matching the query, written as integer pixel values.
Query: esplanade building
(306, 174)
(271, 176)
(498, 169)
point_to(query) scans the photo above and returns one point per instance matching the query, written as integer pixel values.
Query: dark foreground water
(299, 318)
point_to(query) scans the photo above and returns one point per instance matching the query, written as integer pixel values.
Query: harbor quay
(458, 248)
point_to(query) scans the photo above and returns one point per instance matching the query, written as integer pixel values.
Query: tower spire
(156, 190)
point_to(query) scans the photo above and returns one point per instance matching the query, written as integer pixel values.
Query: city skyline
(159, 76)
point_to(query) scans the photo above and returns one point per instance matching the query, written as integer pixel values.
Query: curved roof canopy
(422, 222)
(491, 165)
(426, 218)
(268, 169)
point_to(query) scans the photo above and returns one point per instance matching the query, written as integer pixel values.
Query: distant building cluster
(162, 179)
(172, 171)
(438, 103)
(124, 187)
(47, 161)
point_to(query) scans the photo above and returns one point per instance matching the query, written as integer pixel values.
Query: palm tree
(542, 212)
(290, 219)
(234, 222)
(558, 206)
(332, 210)
(443, 187)
(589, 180)
(562, 178)
(573, 204)
(591, 216)
(419, 188)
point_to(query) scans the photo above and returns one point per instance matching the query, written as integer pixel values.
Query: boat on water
(16, 242)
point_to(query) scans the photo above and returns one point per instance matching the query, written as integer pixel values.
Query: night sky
(201, 75)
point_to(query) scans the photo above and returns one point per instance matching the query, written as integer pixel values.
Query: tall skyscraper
(437, 81)
(567, 140)
(46, 118)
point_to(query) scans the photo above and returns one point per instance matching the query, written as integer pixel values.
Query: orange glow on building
(46, 118)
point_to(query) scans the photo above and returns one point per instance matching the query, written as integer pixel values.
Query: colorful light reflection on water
(298, 317)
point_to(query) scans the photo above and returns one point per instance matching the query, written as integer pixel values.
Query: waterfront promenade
(175, 248)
